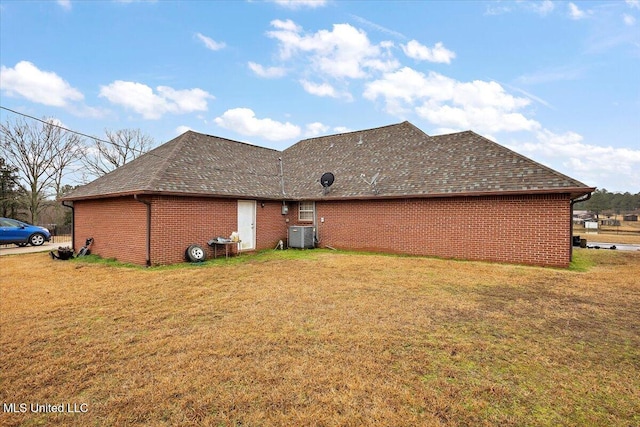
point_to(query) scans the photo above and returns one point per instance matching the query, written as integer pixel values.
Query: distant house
(630, 217)
(583, 215)
(396, 190)
(591, 225)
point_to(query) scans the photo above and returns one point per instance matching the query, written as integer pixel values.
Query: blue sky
(556, 81)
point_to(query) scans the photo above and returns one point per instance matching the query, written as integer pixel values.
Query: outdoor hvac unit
(301, 237)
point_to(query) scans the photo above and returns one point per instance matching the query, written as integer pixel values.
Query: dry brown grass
(324, 339)
(627, 233)
(611, 237)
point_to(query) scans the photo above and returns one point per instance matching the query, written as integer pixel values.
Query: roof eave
(573, 192)
(170, 193)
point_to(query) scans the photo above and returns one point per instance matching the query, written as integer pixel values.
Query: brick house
(396, 189)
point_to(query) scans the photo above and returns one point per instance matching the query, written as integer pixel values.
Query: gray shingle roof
(194, 164)
(407, 163)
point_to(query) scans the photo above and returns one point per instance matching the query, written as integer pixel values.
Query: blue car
(21, 233)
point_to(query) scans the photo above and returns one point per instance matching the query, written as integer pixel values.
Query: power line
(124, 147)
(55, 125)
(115, 144)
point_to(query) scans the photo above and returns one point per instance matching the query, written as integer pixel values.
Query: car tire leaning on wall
(195, 253)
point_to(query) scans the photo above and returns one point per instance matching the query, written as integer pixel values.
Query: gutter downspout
(281, 176)
(148, 204)
(73, 225)
(573, 202)
(284, 195)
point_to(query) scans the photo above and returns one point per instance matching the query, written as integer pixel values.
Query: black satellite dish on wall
(327, 179)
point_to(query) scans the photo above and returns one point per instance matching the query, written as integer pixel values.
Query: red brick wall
(272, 225)
(117, 225)
(524, 230)
(177, 222)
(527, 230)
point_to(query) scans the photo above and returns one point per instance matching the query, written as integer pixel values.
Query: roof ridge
(522, 156)
(416, 128)
(456, 133)
(179, 143)
(232, 140)
(353, 132)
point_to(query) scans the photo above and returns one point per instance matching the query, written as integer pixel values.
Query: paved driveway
(48, 246)
(619, 246)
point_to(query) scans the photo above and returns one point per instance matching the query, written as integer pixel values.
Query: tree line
(602, 201)
(38, 155)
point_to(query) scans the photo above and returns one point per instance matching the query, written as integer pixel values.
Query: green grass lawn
(322, 338)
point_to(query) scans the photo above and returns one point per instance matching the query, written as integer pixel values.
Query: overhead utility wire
(121, 146)
(55, 125)
(80, 133)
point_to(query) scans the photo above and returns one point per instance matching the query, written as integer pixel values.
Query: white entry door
(247, 224)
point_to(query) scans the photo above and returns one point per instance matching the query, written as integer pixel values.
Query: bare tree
(121, 147)
(70, 151)
(41, 151)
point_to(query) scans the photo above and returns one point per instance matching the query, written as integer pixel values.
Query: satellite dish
(327, 179)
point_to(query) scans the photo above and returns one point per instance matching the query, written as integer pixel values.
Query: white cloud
(438, 53)
(401, 89)
(493, 9)
(315, 129)
(343, 52)
(135, 1)
(184, 101)
(245, 122)
(611, 167)
(628, 19)
(297, 4)
(543, 8)
(482, 120)
(141, 99)
(567, 72)
(56, 122)
(321, 89)
(576, 13)
(182, 129)
(65, 4)
(531, 96)
(287, 25)
(379, 27)
(82, 110)
(210, 43)
(43, 87)
(269, 72)
(633, 3)
(341, 129)
(479, 105)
